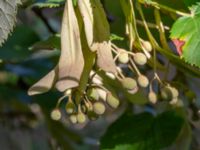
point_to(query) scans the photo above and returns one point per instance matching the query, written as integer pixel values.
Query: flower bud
(140, 59)
(143, 81)
(112, 101)
(123, 57)
(56, 114)
(129, 83)
(99, 108)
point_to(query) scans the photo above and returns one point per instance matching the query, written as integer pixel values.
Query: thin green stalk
(150, 36)
(163, 7)
(161, 29)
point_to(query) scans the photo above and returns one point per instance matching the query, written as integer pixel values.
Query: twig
(39, 13)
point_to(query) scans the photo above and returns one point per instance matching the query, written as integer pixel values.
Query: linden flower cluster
(84, 55)
(92, 105)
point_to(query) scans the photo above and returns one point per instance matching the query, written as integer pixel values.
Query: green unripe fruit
(70, 107)
(129, 83)
(143, 81)
(56, 114)
(81, 118)
(140, 59)
(166, 93)
(112, 101)
(99, 108)
(93, 94)
(152, 97)
(147, 46)
(169, 93)
(123, 58)
(92, 115)
(73, 119)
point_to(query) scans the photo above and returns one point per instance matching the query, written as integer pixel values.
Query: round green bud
(166, 93)
(123, 57)
(56, 114)
(92, 115)
(93, 94)
(147, 46)
(70, 107)
(143, 81)
(129, 83)
(152, 97)
(73, 119)
(81, 118)
(99, 108)
(112, 101)
(140, 59)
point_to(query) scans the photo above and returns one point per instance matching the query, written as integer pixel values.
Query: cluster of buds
(91, 106)
(80, 53)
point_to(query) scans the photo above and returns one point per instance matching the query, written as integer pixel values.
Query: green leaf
(143, 132)
(114, 37)
(53, 42)
(187, 29)
(8, 11)
(16, 47)
(190, 2)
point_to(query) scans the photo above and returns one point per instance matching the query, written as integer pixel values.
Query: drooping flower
(68, 71)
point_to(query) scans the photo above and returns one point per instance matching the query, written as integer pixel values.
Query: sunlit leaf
(187, 29)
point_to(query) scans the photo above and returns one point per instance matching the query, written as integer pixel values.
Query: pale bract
(97, 32)
(71, 62)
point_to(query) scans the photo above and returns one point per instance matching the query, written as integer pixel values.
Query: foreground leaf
(8, 11)
(143, 132)
(187, 29)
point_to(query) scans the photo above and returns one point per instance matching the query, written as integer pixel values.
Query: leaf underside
(8, 11)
